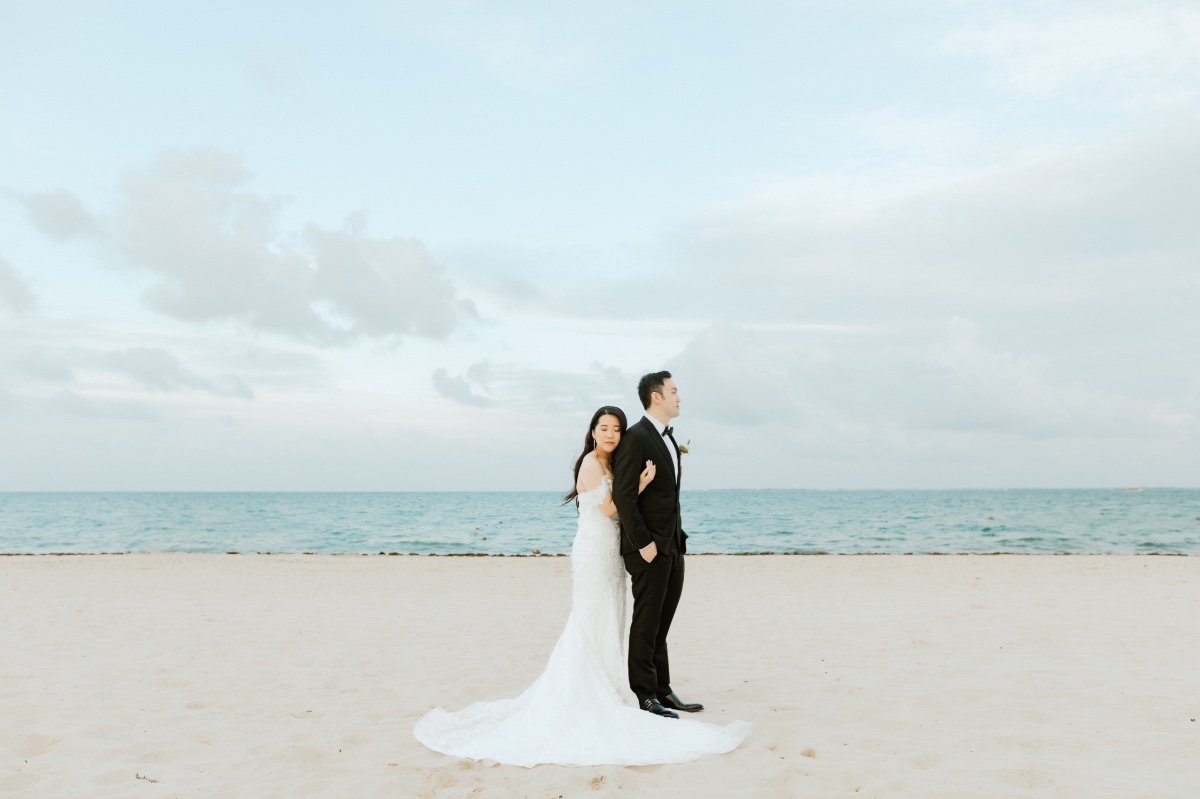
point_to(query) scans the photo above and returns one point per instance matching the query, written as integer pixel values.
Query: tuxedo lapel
(679, 460)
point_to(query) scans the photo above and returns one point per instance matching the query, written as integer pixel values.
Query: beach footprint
(37, 745)
(925, 762)
(21, 781)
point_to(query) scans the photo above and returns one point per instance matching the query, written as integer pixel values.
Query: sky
(413, 246)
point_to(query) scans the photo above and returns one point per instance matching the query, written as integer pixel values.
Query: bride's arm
(590, 475)
(609, 508)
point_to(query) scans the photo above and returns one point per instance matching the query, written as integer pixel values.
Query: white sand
(297, 676)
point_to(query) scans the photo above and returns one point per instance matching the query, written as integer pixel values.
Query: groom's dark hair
(649, 384)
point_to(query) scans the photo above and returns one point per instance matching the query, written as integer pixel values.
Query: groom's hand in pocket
(649, 553)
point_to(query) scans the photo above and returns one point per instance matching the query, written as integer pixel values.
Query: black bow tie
(668, 431)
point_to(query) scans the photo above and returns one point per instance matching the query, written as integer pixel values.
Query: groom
(652, 542)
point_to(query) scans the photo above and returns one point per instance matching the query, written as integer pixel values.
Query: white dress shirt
(660, 427)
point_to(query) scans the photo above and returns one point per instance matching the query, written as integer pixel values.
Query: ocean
(1084, 521)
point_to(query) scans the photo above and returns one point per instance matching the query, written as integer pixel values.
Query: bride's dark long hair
(589, 444)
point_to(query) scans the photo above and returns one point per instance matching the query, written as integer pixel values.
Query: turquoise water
(1029, 521)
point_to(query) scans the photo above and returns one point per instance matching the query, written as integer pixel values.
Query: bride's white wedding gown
(580, 711)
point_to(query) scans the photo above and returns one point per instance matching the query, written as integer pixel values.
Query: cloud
(832, 394)
(271, 78)
(543, 391)
(479, 372)
(958, 384)
(513, 291)
(14, 291)
(1124, 55)
(157, 369)
(75, 404)
(58, 214)
(152, 368)
(216, 248)
(562, 391)
(276, 360)
(779, 406)
(384, 286)
(725, 373)
(1067, 228)
(280, 368)
(215, 245)
(41, 364)
(456, 388)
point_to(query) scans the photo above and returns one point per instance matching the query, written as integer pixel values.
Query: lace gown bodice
(580, 711)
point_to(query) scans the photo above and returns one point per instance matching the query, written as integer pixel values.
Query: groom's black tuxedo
(652, 516)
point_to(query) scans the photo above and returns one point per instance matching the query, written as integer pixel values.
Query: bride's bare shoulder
(590, 473)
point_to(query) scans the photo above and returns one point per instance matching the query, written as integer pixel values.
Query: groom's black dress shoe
(673, 701)
(652, 706)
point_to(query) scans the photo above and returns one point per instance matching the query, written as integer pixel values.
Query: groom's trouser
(656, 592)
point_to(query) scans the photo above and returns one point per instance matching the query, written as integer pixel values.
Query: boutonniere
(685, 448)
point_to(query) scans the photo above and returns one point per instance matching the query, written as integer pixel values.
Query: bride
(581, 711)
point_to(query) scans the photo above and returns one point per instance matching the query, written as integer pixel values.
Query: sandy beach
(302, 676)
